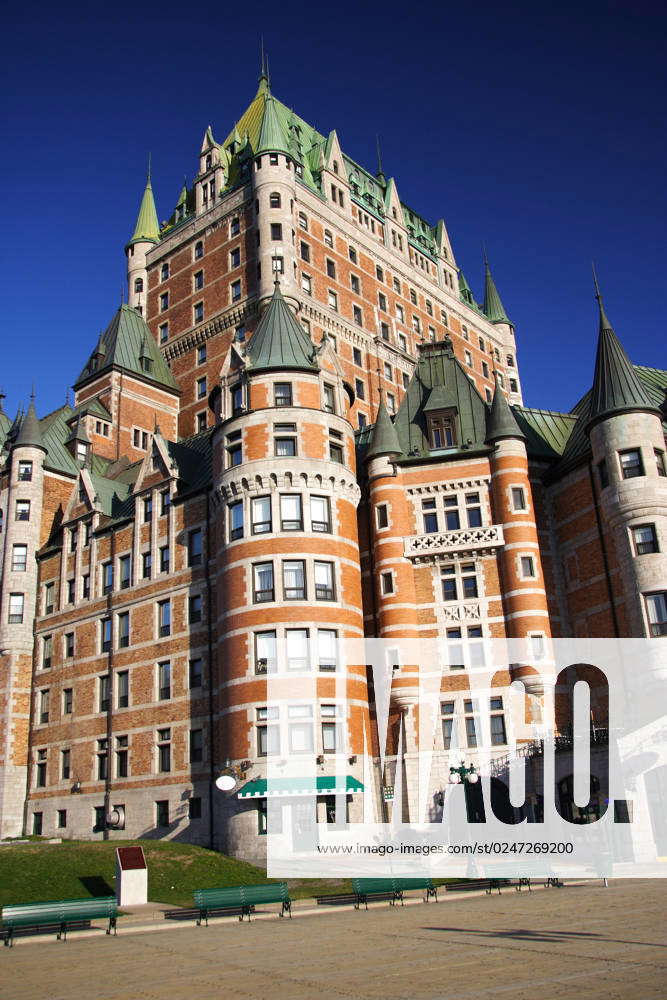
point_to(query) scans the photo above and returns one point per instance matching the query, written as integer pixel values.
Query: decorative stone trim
(462, 540)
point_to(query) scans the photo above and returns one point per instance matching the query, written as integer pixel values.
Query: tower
(18, 595)
(496, 314)
(146, 234)
(628, 454)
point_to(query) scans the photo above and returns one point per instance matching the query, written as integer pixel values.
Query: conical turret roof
(384, 439)
(272, 136)
(30, 435)
(127, 341)
(501, 421)
(616, 387)
(493, 307)
(147, 228)
(280, 342)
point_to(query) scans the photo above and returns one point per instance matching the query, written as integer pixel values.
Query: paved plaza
(582, 941)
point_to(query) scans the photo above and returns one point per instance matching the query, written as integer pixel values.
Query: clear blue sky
(539, 130)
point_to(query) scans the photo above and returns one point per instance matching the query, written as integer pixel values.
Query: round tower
(274, 187)
(22, 539)
(630, 480)
(145, 236)
(288, 568)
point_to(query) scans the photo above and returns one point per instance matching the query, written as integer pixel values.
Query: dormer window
(441, 430)
(147, 364)
(209, 161)
(81, 451)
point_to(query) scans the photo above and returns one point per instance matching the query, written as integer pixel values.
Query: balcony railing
(461, 540)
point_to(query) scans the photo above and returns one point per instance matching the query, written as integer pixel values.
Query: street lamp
(463, 773)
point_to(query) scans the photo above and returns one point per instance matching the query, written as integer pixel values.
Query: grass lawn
(35, 872)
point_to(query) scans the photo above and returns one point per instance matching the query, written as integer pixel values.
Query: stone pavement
(582, 941)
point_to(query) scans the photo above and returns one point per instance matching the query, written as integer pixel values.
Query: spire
(30, 435)
(380, 172)
(280, 342)
(501, 422)
(493, 307)
(272, 136)
(465, 291)
(183, 196)
(147, 228)
(384, 439)
(616, 387)
(264, 79)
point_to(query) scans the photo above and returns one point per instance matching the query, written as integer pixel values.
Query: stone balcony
(444, 543)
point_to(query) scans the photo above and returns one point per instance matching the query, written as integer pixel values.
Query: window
(268, 736)
(387, 583)
(16, 602)
(631, 464)
(102, 759)
(68, 645)
(324, 581)
(37, 822)
(22, 510)
(297, 648)
(163, 330)
(459, 582)
(645, 539)
(235, 515)
(201, 387)
(164, 301)
(300, 728)
(105, 635)
(485, 369)
(471, 723)
(198, 281)
(656, 610)
(403, 346)
(285, 447)
(47, 651)
(41, 771)
(122, 689)
(382, 301)
(234, 455)
(261, 515)
(303, 221)
(332, 299)
(123, 625)
(62, 819)
(194, 807)
(164, 618)
(19, 558)
(304, 250)
(336, 452)
(328, 239)
(355, 284)
(441, 431)
(164, 559)
(331, 732)
(357, 315)
(306, 284)
(195, 673)
(518, 498)
(447, 713)
(514, 385)
(360, 388)
(103, 692)
(201, 354)
(146, 565)
(473, 510)
(382, 515)
(282, 394)
(25, 471)
(122, 756)
(320, 514)
(527, 565)
(430, 516)
(266, 658)
(352, 253)
(388, 372)
(67, 701)
(329, 399)
(660, 461)
(44, 705)
(195, 605)
(294, 580)
(148, 509)
(498, 733)
(234, 226)
(162, 812)
(455, 649)
(327, 640)
(391, 402)
(199, 250)
(195, 547)
(263, 585)
(196, 746)
(235, 290)
(274, 200)
(49, 591)
(164, 680)
(452, 519)
(71, 591)
(291, 515)
(276, 231)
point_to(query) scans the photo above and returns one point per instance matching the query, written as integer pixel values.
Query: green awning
(260, 788)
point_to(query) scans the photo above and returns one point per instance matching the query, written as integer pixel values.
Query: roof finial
(32, 394)
(598, 295)
(485, 255)
(380, 172)
(604, 321)
(263, 72)
(148, 175)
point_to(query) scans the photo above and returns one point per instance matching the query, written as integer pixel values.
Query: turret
(18, 594)
(628, 453)
(495, 312)
(145, 236)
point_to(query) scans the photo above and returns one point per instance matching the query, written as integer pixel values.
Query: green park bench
(390, 888)
(240, 899)
(59, 914)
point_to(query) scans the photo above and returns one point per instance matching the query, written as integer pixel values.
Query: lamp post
(460, 774)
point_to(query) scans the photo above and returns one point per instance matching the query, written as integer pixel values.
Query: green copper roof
(502, 422)
(280, 342)
(126, 337)
(546, 431)
(30, 435)
(384, 439)
(440, 382)
(147, 228)
(493, 307)
(272, 135)
(616, 387)
(78, 432)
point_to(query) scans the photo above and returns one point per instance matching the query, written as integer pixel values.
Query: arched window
(138, 284)
(274, 199)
